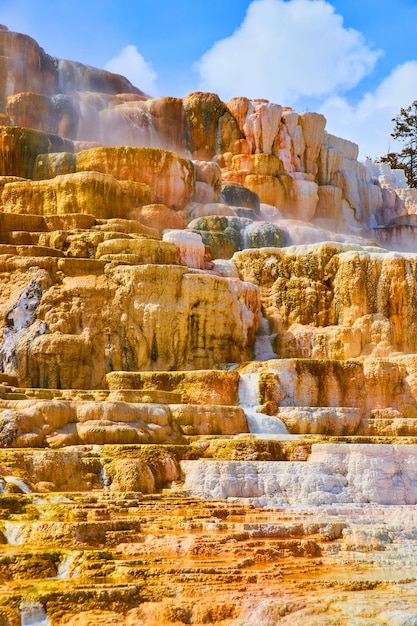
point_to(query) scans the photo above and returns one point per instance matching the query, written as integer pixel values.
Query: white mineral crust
(334, 474)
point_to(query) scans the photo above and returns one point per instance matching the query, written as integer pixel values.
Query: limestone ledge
(334, 300)
(284, 156)
(334, 474)
(87, 318)
(376, 388)
(58, 423)
(88, 192)
(215, 387)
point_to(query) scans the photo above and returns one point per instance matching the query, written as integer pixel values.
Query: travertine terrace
(208, 361)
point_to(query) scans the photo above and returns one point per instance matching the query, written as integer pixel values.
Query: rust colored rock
(29, 110)
(24, 66)
(203, 112)
(72, 76)
(169, 120)
(19, 148)
(158, 216)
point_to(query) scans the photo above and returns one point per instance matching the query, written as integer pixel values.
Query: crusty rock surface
(208, 371)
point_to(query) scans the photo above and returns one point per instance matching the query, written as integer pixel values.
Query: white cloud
(286, 51)
(131, 64)
(369, 122)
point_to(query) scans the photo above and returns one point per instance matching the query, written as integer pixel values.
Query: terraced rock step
(208, 367)
(332, 474)
(132, 559)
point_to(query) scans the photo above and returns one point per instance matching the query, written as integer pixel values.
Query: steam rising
(309, 183)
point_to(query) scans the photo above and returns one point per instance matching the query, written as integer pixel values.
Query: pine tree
(405, 130)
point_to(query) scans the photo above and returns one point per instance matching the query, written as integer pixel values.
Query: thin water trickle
(259, 423)
(13, 480)
(66, 567)
(33, 614)
(264, 341)
(13, 531)
(103, 478)
(249, 389)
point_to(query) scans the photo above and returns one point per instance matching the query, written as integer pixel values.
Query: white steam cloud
(131, 64)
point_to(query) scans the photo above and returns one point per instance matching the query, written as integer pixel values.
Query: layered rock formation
(208, 364)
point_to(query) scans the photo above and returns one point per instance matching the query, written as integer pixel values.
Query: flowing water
(263, 349)
(258, 423)
(33, 614)
(13, 480)
(66, 567)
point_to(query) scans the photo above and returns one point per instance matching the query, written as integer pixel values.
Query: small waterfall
(66, 567)
(258, 423)
(13, 480)
(33, 614)
(129, 124)
(96, 449)
(263, 350)
(13, 531)
(19, 320)
(249, 389)
(144, 128)
(103, 478)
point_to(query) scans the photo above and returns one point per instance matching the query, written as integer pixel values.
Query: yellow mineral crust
(57, 423)
(151, 471)
(84, 192)
(336, 301)
(170, 176)
(134, 317)
(215, 387)
(138, 252)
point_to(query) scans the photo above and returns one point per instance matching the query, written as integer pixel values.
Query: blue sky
(353, 60)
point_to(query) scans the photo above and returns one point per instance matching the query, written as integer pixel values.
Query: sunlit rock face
(215, 387)
(80, 325)
(208, 370)
(378, 389)
(283, 156)
(171, 178)
(86, 192)
(335, 301)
